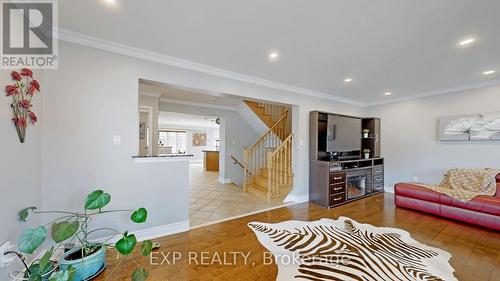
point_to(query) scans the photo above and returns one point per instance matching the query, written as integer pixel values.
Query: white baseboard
(243, 215)
(152, 232)
(222, 180)
(389, 189)
(162, 230)
(297, 198)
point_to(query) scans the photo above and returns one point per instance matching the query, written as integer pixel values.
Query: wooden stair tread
(261, 184)
(252, 189)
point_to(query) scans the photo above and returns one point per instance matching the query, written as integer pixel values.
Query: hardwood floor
(475, 251)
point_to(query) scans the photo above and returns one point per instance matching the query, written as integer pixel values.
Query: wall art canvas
(471, 127)
(200, 139)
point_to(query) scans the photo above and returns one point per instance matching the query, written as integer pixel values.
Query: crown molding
(198, 104)
(450, 90)
(102, 44)
(150, 94)
(118, 48)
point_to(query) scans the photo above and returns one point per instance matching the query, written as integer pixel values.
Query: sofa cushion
(417, 204)
(476, 218)
(415, 191)
(483, 204)
(497, 195)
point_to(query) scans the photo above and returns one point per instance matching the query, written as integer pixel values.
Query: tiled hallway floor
(210, 200)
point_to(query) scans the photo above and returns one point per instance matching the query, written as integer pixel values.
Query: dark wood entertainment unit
(335, 177)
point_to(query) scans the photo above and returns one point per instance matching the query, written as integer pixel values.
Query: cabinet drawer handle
(337, 198)
(337, 188)
(378, 179)
(337, 178)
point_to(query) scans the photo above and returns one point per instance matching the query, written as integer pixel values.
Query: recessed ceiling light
(110, 1)
(388, 93)
(489, 72)
(467, 42)
(348, 80)
(273, 56)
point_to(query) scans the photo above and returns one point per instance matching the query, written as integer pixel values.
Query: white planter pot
(365, 135)
(367, 155)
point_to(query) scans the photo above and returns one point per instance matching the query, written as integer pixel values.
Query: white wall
(251, 118)
(20, 164)
(92, 97)
(152, 103)
(196, 151)
(20, 169)
(410, 142)
(237, 135)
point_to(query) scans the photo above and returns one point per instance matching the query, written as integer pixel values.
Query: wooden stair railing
(279, 168)
(271, 153)
(236, 162)
(273, 110)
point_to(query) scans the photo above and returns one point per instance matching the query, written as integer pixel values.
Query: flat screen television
(343, 133)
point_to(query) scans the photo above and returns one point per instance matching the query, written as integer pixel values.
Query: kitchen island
(211, 160)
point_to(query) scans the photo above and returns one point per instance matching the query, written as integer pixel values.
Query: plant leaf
(23, 214)
(45, 261)
(63, 275)
(139, 216)
(35, 277)
(125, 245)
(146, 248)
(97, 200)
(34, 274)
(31, 239)
(64, 230)
(156, 245)
(140, 274)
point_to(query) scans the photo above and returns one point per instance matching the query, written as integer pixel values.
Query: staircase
(268, 163)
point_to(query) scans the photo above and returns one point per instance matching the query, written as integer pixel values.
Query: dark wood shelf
(329, 182)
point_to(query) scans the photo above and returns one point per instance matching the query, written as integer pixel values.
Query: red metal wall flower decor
(21, 92)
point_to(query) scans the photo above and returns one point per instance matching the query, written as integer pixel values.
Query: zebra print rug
(344, 249)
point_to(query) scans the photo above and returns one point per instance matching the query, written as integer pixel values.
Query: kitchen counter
(162, 158)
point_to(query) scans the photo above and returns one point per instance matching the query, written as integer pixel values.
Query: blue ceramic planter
(86, 268)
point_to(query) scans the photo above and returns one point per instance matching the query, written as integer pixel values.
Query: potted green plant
(366, 133)
(366, 153)
(86, 260)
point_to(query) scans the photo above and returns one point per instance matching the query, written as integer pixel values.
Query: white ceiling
(171, 93)
(174, 120)
(408, 47)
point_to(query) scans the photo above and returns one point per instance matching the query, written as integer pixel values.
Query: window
(175, 140)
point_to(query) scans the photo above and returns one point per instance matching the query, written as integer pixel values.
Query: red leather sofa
(482, 210)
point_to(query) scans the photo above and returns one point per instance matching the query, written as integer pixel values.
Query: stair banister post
(269, 174)
(245, 170)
